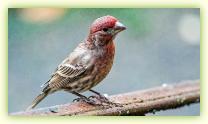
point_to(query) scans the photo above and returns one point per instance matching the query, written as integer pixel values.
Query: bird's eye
(105, 29)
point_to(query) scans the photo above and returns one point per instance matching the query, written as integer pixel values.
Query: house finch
(88, 64)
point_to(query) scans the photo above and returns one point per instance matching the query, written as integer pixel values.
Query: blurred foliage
(130, 17)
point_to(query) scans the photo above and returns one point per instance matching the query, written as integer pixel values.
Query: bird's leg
(83, 98)
(102, 98)
(99, 96)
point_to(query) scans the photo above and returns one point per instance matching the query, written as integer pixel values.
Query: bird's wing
(74, 65)
(63, 75)
(70, 71)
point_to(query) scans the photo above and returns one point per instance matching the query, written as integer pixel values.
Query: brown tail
(37, 100)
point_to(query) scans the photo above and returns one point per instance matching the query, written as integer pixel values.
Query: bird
(87, 65)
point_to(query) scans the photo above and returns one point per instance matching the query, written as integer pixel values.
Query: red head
(104, 30)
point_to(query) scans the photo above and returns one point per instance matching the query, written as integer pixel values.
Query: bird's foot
(104, 101)
(85, 99)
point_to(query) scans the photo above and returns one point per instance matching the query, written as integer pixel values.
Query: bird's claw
(77, 100)
(99, 100)
(87, 100)
(104, 101)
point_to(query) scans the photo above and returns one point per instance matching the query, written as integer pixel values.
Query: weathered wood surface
(133, 103)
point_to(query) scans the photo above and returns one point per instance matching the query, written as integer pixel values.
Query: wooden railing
(133, 103)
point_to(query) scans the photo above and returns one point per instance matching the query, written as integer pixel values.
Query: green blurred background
(159, 47)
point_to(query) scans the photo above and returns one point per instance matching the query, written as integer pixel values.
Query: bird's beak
(119, 27)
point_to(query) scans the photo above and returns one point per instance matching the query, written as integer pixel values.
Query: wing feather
(74, 65)
(64, 74)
